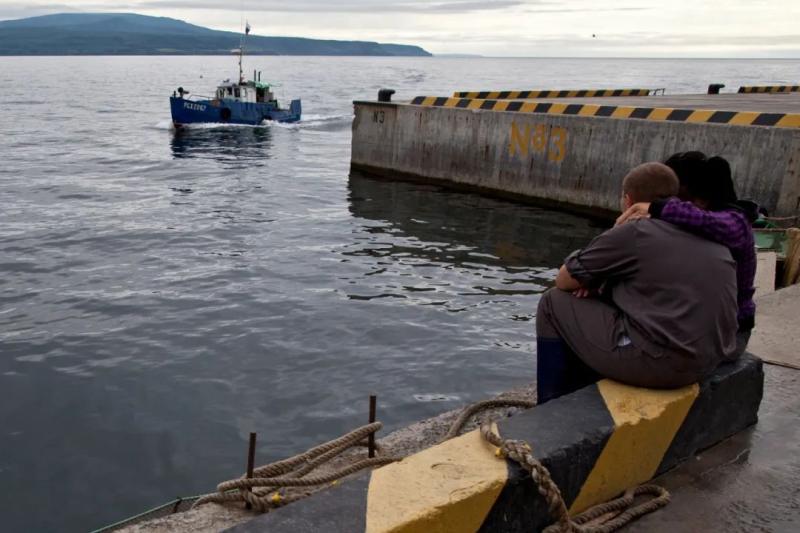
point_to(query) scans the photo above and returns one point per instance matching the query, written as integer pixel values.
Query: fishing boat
(244, 102)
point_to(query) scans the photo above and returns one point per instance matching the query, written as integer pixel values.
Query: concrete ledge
(553, 93)
(564, 158)
(769, 88)
(596, 443)
(694, 116)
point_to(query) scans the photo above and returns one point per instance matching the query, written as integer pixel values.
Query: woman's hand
(634, 212)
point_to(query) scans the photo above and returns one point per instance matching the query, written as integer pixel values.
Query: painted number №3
(538, 138)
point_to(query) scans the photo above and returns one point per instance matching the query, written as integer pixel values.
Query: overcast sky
(619, 28)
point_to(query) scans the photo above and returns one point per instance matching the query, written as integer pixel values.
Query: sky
(530, 28)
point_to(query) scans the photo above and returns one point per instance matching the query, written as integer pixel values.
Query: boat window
(236, 92)
(230, 91)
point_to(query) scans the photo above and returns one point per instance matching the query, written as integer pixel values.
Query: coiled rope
(603, 518)
(262, 490)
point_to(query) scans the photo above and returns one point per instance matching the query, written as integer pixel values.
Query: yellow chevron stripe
(622, 112)
(646, 421)
(660, 113)
(699, 116)
(450, 487)
(493, 95)
(744, 118)
(789, 121)
(588, 110)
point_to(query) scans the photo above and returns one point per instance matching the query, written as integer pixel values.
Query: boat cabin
(250, 92)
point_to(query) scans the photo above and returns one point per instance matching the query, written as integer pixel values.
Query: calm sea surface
(163, 294)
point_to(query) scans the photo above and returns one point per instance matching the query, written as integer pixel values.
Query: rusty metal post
(251, 459)
(373, 400)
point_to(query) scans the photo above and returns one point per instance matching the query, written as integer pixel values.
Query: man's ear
(627, 202)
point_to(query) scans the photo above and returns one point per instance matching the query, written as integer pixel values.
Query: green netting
(177, 505)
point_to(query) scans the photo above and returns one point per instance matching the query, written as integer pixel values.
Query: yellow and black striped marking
(769, 89)
(696, 116)
(526, 95)
(596, 443)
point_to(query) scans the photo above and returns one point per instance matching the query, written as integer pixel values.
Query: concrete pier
(572, 152)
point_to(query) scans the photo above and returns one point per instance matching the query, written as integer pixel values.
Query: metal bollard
(715, 87)
(385, 95)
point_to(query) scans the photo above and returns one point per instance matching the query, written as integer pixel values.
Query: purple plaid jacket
(730, 228)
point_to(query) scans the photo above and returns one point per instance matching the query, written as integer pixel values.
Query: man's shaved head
(650, 182)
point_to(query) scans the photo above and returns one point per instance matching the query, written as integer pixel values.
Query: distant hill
(131, 34)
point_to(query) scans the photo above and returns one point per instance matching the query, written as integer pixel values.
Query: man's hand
(634, 212)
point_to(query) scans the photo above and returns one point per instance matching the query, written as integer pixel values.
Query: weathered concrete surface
(595, 442)
(766, 267)
(777, 331)
(409, 440)
(748, 483)
(764, 103)
(572, 161)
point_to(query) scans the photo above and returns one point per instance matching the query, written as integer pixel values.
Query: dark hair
(650, 182)
(708, 179)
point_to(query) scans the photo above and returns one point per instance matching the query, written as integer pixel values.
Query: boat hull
(185, 111)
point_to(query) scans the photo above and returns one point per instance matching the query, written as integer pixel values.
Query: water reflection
(427, 246)
(234, 146)
(465, 228)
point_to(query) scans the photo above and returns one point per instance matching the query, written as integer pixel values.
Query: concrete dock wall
(571, 160)
(596, 443)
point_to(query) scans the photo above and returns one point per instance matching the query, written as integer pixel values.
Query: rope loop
(262, 491)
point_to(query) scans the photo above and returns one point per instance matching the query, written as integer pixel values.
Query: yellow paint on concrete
(700, 116)
(429, 100)
(659, 113)
(502, 105)
(557, 109)
(452, 102)
(646, 421)
(450, 487)
(475, 104)
(789, 121)
(622, 112)
(744, 118)
(588, 110)
(528, 107)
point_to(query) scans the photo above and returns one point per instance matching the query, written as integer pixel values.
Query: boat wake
(318, 122)
(315, 122)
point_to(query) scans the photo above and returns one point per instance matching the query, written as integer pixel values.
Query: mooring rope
(261, 490)
(603, 518)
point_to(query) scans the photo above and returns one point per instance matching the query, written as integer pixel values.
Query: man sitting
(661, 310)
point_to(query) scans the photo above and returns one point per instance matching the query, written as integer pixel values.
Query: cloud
(15, 10)
(348, 6)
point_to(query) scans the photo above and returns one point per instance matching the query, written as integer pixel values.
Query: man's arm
(609, 257)
(565, 281)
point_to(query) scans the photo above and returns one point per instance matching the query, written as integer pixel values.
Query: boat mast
(241, 51)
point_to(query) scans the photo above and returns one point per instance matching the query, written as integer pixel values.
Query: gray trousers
(594, 330)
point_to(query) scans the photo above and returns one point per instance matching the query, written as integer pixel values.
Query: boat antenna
(241, 51)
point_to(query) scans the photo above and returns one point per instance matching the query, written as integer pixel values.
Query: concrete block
(596, 442)
(561, 159)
